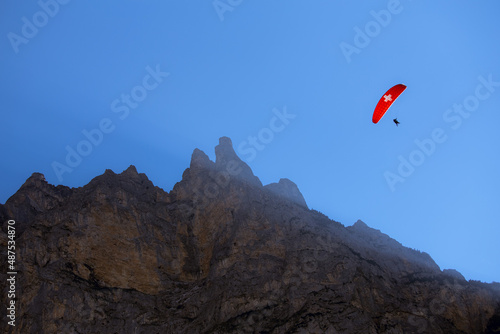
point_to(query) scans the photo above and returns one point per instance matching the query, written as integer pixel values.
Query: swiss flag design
(386, 101)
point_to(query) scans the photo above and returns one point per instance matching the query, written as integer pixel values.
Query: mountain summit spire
(224, 152)
(226, 160)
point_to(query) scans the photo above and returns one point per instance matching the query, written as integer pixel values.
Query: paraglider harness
(395, 121)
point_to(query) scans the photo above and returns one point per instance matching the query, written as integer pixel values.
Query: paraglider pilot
(386, 101)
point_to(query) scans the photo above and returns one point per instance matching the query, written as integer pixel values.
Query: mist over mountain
(220, 253)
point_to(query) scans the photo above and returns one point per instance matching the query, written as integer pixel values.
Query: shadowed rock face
(220, 253)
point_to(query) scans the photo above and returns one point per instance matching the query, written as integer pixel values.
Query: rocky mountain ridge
(220, 253)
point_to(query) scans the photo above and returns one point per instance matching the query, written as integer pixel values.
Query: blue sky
(144, 83)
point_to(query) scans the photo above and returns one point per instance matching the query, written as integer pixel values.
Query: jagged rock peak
(131, 170)
(360, 224)
(37, 176)
(129, 179)
(132, 173)
(227, 160)
(200, 160)
(289, 190)
(36, 179)
(202, 170)
(224, 152)
(109, 172)
(362, 229)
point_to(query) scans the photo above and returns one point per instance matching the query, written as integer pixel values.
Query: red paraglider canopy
(386, 101)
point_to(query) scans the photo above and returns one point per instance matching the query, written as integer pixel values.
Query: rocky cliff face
(220, 253)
